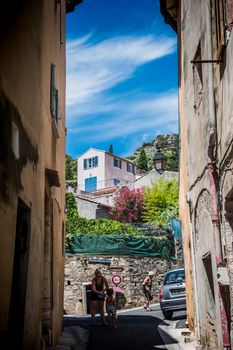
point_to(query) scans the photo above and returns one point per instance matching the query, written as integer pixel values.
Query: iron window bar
(206, 61)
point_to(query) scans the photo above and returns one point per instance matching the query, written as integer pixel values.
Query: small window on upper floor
(131, 168)
(197, 78)
(90, 163)
(117, 163)
(54, 95)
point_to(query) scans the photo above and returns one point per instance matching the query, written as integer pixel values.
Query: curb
(170, 342)
(73, 338)
(173, 338)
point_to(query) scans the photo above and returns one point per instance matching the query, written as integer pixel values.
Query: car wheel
(167, 314)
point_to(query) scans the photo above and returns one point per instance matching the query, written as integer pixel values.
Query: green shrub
(104, 226)
(161, 202)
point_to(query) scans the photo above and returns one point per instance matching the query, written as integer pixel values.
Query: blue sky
(121, 76)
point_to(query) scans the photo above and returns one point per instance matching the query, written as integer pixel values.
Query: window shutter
(52, 90)
(120, 164)
(218, 11)
(85, 163)
(96, 161)
(57, 106)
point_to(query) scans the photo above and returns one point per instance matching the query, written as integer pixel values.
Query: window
(54, 95)
(116, 181)
(209, 273)
(174, 277)
(131, 168)
(90, 163)
(117, 163)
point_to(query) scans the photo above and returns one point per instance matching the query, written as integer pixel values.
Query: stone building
(32, 171)
(205, 49)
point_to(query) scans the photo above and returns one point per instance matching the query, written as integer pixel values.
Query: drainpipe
(213, 177)
(193, 258)
(212, 117)
(195, 284)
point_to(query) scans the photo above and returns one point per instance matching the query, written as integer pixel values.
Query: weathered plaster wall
(183, 187)
(205, 218)
(30, 41)
(86, 208)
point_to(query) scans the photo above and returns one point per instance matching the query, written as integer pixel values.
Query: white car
(172, 293)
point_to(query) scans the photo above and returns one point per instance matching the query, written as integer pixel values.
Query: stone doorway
(47, 294)
(86, 301)
(19, 279)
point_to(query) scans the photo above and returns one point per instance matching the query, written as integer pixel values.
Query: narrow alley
(137, 330)
(116, 174)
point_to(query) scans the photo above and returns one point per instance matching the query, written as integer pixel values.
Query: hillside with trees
(168, 145)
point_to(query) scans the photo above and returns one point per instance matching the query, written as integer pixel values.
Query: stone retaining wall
(79, 272)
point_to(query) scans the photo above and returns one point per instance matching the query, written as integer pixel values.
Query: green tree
(161, 202)
(142, 160)
(72, 218)
(71, 171)
(110, 149)
(172, 160)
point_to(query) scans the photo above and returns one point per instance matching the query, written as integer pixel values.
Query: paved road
(137, 330)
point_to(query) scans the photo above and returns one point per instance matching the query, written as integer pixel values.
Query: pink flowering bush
(128, 205)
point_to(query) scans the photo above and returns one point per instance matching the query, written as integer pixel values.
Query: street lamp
(160, 161)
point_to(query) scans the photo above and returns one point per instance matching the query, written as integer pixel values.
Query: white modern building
(98, 170)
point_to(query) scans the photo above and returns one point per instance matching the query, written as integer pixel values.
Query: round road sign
(116, 280)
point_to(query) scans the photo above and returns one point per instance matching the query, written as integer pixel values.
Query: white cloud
(92, 68)
(133, 115)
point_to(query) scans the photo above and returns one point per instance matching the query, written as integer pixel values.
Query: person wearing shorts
(147, 284)
(98, 286)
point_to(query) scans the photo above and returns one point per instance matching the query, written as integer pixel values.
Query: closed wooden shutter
(218, 27)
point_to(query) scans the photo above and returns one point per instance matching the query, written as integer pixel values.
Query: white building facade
(98, 170)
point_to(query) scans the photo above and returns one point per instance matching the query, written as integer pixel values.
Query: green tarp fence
(121, 245)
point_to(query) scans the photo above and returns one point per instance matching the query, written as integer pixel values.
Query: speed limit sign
(116, 280)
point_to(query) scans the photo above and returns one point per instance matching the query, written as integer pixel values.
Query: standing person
(147, 285)
(111, 308)
(98, 286)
